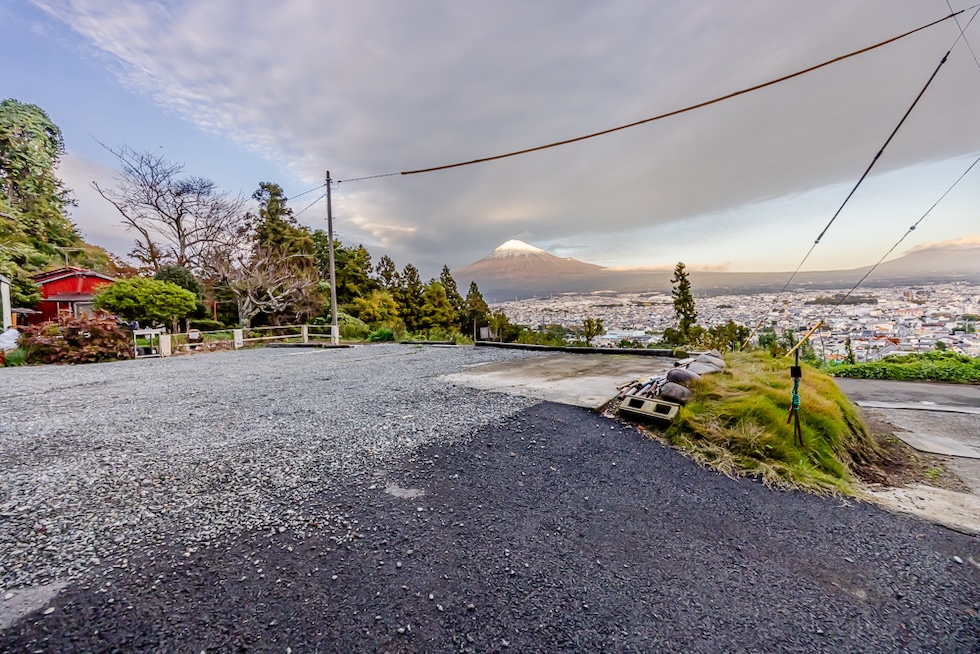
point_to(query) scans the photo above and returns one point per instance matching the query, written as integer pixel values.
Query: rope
(676, 112)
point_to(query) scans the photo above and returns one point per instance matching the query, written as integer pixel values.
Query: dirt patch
(903, 465)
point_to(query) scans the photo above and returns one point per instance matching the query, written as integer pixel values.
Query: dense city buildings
(878, 321)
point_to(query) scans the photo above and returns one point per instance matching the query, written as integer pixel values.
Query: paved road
(967, 395)
(553, 530)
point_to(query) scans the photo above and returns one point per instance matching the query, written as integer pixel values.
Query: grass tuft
(737, 424)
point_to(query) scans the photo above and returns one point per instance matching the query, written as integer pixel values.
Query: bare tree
(274, 281)
(180, 220)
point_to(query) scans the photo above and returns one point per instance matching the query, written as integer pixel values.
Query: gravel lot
(99, 461)
(272, 502)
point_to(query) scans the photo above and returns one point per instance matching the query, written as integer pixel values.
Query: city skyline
(241, 95)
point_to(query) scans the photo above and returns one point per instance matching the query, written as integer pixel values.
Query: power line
(963, 33)
(864, 175)
(300, 212)
(299, 195)
(904, 236)
(669, 114)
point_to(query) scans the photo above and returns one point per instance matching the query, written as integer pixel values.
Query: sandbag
(675, 393)
(682, 376)
(713, 360)
(702, 368)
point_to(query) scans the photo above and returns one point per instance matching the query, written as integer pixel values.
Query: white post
(165, 345)
(239, 339)
(305, 332)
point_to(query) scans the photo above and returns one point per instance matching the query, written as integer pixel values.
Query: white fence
(237, 338)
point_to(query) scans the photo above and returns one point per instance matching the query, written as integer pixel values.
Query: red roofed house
(68, 289)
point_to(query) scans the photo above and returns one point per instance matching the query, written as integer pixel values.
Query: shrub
(936, 365)
(14, 357)
(382, 335)
(86, 339)
(351, 327)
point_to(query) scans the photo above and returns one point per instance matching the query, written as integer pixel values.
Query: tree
(849, 350)
(386, 273)
(179, 220)
(275, 282)
(729, 336)
(437, 312)
(455, 299)
(33, 202)
(378, 308)
(591, 328)
(684, 311)
(477, 310)
(409, 298)
(146, 300)
(182, 277)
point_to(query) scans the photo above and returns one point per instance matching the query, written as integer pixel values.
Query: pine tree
(684, 310)
(477, 309)
(387, 274)
(455, 299)
(410, 298)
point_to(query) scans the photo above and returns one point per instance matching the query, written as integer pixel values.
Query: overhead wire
(300, 212)
(899, 241)
(867, 170)
(669, 114)
(299, 195)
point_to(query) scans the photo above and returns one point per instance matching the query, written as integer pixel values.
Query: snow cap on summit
(515, 248)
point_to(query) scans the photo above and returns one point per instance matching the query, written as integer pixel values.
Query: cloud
(962, 243)
(98, 220)
(384, 86)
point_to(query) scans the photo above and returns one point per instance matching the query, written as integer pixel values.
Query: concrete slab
(15, 604)
(919, 406)
(935, 444)
(586, 380)
(958, 511)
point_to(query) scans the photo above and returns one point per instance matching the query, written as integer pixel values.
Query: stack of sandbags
(675, 385)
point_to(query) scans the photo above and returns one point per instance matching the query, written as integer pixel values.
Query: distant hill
(516, 269)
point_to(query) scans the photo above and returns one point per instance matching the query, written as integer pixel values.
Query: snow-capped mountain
(516, 260)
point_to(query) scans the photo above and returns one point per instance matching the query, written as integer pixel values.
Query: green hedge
(929, 366)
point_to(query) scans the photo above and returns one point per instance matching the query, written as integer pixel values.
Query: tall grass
(738, 424)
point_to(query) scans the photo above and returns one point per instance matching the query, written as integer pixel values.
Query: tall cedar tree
(409, 297)
(684, 311)
(387, 274)
(455, 299)
(437, 310)
(477, 310)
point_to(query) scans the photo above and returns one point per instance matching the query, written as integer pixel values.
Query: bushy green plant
(382, 335)
(936, 365)
(14, 357)
(352, 328)
(86, 339)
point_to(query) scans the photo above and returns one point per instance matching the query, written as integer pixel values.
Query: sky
(246, 91)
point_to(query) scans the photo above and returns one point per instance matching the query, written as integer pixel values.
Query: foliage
(35, 231)
(14, 357)
(684, 310)
(146, 300)
(382, 335)
(943, 366)
(85, 339)
(182, 277)
(386, 274)
(477, 310)
(726, 337)
(352, 328)
(591, 328)
(352, 267)
(437, 312)
(737, 423)
(409, 298)
(452, 294)
(376, 308)
(849, 348)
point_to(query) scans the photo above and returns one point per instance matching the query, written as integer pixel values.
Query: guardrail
(237, 338)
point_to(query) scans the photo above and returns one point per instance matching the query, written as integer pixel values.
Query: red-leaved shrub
(86, 339)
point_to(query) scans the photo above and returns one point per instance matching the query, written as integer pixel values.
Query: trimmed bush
(929, 366)
(86, 339)
(382, 335)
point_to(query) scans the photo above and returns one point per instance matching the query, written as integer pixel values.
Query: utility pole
(334, 329)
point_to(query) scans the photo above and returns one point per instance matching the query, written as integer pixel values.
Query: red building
(67, 289)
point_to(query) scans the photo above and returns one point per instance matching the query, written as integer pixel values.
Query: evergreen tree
(437, 311)
(477, 310)
(410, 298)
(591, 328)
(452, 294)
(684, 310)
(387, 274)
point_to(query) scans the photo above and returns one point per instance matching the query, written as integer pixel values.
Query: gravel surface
(100, 461)
(497, 526)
